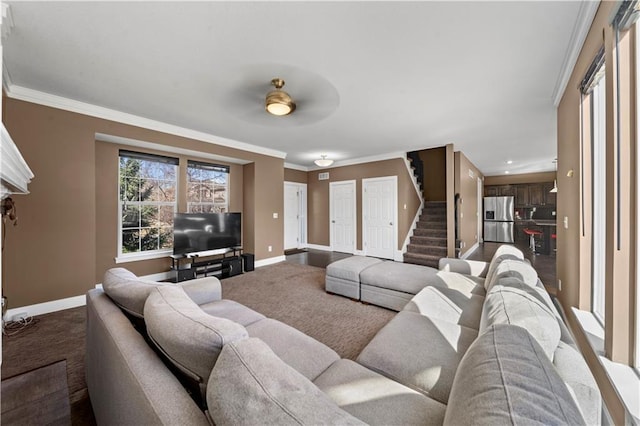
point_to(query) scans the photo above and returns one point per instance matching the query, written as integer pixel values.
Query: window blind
(148, 157)
(208, 166)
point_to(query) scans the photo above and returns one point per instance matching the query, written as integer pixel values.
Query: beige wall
(521, 178)
(434, 165)
(60, 247)
(467, 186)
(574, 243)
(318, 198)
(291, 175)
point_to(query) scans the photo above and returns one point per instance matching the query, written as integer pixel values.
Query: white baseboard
(161, 276)
(67, 303)
(319, 247)
(470, 251)
(269, 261)
(46, 307)
(359, 253)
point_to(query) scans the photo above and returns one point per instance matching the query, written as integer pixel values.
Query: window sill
(624, 379)
(143, 256)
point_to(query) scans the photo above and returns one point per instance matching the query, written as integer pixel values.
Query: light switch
(566, 222)
(275, 215)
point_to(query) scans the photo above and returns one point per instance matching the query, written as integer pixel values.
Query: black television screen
(195, 232)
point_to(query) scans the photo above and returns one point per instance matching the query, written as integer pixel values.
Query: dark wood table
(548, 228)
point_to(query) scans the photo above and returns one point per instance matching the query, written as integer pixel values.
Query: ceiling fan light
(278, 102)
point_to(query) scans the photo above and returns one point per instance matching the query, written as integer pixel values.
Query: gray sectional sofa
(463, 350)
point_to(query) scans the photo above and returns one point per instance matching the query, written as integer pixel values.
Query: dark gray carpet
(294, 294)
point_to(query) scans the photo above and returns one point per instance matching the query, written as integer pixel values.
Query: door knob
(333, 221)
(390, 223)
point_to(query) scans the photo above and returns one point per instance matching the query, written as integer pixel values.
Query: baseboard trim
(319, 247)
(45, 307)
(470, 251)
(269, 261)
(69, 302)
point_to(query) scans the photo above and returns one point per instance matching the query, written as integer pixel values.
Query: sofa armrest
(203, 290)
(461, 266)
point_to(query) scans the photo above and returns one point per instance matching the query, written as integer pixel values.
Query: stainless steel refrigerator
(498, 219)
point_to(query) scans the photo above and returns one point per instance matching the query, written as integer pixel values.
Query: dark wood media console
(221, 263)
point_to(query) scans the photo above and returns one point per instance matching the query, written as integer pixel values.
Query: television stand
(222, 263)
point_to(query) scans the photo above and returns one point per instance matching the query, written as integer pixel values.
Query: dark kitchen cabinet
(491, 191)
(522, 195)
(507, 191)
(536, 195)
(549, 197)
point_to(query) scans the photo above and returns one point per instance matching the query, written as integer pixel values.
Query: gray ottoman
(393, 284)
(343, 276)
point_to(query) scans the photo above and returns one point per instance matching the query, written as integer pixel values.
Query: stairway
(429, 241)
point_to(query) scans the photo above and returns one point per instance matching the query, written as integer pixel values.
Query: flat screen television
(196, 232)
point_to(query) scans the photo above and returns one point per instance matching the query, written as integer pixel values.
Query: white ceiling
(370, 78)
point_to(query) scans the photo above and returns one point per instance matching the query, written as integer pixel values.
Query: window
(598, 149)
(207, 188)
(147, 203)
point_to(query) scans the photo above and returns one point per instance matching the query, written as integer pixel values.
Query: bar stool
(532, 233)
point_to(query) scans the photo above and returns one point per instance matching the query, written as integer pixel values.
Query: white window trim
(145, 255)
(225, 205)
(637, 337)
(598, 118)
(624, 379)
(148, 254)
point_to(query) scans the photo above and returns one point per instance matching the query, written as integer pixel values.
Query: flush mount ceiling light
(278, 102)
(323, 162)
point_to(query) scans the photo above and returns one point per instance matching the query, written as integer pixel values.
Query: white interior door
(342, 207)
(291, 216)
(295, 217)
(379, 216)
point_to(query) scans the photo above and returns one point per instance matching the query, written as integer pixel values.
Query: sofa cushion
(250, 385)
(465, 284)
(375, 399)
(349, 268)
(189, 337)
(233, 311)
(127, 290)
(515, 269)
(575, 373)
(504, 252)
(449, 305)
(504, 378)
(398, 276)
(510, 301)
(304, 353)
(419, 352)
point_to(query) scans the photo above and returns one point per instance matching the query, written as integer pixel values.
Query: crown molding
(296, 167)
(119, 140)
(34, 96)
(581, 28)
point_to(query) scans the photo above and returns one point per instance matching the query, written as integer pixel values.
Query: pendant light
(555, 186)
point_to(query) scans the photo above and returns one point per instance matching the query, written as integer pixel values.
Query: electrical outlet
(270, 249)
(566, 222)
(275, 216)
